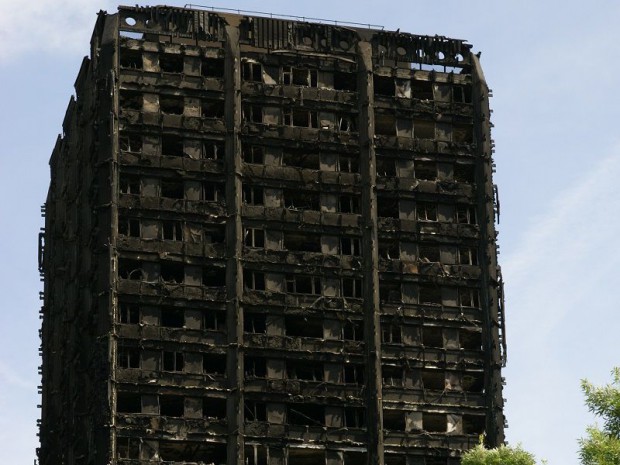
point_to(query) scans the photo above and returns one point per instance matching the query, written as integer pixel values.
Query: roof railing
(296, 18)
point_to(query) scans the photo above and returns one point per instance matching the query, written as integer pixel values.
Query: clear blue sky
(553, 66)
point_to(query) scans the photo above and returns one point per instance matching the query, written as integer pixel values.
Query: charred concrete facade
(270, 242)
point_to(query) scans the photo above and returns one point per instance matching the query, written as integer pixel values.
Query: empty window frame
(128, 357)
(130, 269)
(214, 364)
(434, 422)
(254, 322)
(128, 227)
(355, 417)
(464, 173)
(351, 246)
(255, 411)
(387, 207)
(305, 370)
(351, 287)
(433, 380)
(385, 124)
(184, 451)
(348, 203)
(386, 166)
(172, 189)
(468, 256)
(306, 415)
(172, 145)
(129, 100)
(345, 81)
(254, 154)
(461, 94)
(466, 214)
(299, 326)
(128, 313)
(171, 63)
(128, 448)
(130, 142)
(462, 133)
(301, 242)
(129, 184)
(432, 336)
(394, 420)
(429, 253)
(426, 170)
(251, 71)
(254, 367)
(172, 317)
(253, 280)
(214, 234)
(131, 59)
(346, 123)
(348, 163)
(212, 67)
(302, 284)
(171, 104)
(253, 195)
(128, 402)
(353, 330)
(214, 408)
(422, 90)
(301, 159)
(392, 375)
(255, 454)
(253, 113)
(389, 291)
(470, 340)
(299, 76)
(172, 230)
(214, 320)
(397, 459)
(389, 249)
(300, 117)
(426, 211)
(172, 361)
(212, 108)
(384, 85)
(302, 200)
(354, 374)
(423, 129)
(473, 382)
(213, 276)
(391, 333)
(171, 406)
(254, 237)
(474, 424)
(212, 191)
(213, 150)
(429, 294)
(172, 272)
(469, 297)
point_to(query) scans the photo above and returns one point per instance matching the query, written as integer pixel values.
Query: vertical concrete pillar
(370, 246)
(234, 233)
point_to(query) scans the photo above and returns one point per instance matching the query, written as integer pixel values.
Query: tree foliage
(602, 446)
(502, 455)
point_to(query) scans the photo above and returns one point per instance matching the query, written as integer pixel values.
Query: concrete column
(234, 233)
(370, 246)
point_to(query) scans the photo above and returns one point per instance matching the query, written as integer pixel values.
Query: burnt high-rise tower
(270, 242)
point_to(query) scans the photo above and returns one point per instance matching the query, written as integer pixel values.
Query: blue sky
(553, 67)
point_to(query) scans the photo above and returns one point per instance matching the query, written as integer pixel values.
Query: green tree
(502, 455)
(602, 446)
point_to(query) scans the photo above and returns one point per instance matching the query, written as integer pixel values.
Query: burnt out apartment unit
(270, 242)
